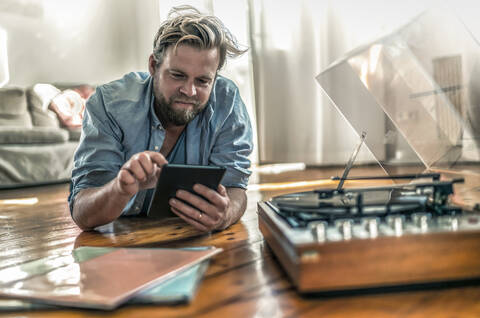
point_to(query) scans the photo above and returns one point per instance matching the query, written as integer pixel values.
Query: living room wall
(86, 41)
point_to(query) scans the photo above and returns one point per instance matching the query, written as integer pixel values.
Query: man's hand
(140, 172)
(213, 210)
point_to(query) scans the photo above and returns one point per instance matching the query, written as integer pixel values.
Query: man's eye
(176, 75)
(203, 82)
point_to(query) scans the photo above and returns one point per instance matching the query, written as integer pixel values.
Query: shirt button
(156, 147)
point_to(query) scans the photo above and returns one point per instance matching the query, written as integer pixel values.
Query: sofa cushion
(41, 115)
(35, 135)
(74, 134)
(13, 108)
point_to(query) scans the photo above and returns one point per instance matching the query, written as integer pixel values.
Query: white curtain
(4, 73)
(292, 42)
(286, 59)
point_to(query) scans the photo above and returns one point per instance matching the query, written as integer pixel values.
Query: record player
(410, 233)
(359, 238)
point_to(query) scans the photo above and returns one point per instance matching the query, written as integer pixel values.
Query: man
(181, 112)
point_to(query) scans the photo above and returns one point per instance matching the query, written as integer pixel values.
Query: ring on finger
(200, 215)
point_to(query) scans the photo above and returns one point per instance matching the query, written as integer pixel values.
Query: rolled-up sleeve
(99, 155)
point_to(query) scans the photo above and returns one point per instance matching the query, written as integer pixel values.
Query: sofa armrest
(13, 108)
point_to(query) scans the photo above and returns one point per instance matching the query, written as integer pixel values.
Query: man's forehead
(190, 57)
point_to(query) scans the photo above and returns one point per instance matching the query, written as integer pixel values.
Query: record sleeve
(102, 281)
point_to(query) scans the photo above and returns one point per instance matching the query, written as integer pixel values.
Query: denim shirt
(120, 121)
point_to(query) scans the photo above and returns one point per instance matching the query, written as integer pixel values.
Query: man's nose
(188, 88)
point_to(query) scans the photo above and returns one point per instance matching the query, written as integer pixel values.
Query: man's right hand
(140, 172)
(98, 206)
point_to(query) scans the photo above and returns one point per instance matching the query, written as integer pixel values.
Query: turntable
(348, 239)
(416, 88)
(372, 237)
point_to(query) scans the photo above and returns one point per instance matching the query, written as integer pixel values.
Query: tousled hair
(186, 25)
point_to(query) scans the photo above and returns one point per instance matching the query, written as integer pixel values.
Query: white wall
(87, 41)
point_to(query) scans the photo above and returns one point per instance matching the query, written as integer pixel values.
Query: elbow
(80, 222)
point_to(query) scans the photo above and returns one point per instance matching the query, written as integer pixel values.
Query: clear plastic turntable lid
(424, 81)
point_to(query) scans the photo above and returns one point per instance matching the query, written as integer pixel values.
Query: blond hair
(186, 25)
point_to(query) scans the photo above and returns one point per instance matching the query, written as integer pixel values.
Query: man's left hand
(207, 211)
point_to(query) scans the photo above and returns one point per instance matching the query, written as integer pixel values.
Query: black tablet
(174, 177)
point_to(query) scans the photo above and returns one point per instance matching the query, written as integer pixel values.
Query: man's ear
(152, 64)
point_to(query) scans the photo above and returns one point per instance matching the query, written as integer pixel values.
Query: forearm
(97, 206)
(238, 204)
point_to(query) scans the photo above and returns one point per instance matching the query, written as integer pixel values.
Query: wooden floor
(243, 281)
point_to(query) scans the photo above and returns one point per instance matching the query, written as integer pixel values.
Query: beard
(177, 117)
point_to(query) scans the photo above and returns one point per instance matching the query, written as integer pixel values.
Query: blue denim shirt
(120, 121)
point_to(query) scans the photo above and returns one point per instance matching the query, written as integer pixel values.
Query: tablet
(174, 177)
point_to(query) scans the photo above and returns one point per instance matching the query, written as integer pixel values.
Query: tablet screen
(174, 177)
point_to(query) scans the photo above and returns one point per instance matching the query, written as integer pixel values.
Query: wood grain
(245, 280)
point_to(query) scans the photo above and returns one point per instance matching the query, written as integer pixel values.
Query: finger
(192, 212)
(190, 220)
(196, 201)
(127, 184)
(214, 197)
(157, 158)
(145, 162)
(136, 169)
(222, 190)
(157, 171)
(141, 165)
(212, 215)
(125, 177)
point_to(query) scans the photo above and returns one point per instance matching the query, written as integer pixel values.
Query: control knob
(371, 226)
(319, 230)
(397, 223)
(345, 227)
(420, 220)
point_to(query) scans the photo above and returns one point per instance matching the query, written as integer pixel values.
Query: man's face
(183, 82)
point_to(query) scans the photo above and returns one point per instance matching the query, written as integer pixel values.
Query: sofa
(34, 147)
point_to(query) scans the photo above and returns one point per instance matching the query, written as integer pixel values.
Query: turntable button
(345, 227)
(397, 223)
(448, 222)
(454, 223)
(319, 230)
(371, 226)
(420, 220)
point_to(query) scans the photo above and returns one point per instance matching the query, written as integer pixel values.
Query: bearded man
(181, 112)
